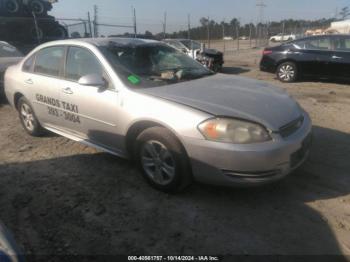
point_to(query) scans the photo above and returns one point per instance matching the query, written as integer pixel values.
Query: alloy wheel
(27, 117)
(158, 162)
(286, 72)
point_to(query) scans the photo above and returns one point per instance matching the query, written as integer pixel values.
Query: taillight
(267, 52)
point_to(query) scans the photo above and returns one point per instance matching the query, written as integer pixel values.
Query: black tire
(38, 7)
(158, 137)
(35, 129)
(287, 72)
(57, 31)
(216, 67)
(11, 7)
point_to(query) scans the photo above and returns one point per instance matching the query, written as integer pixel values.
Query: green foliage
(231, 28)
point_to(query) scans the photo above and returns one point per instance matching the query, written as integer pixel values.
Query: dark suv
(324, 56)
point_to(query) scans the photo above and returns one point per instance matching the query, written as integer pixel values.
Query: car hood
(5, 62)
(233, 96)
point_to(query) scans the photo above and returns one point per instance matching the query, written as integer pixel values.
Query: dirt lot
(59, 197)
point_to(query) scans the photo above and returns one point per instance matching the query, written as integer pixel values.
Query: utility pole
(189, 26)
(223, 35)
(96, 21)
(208, 31)
(237, 32)
(164, 25)
(89, 21)
(134, 20)
(260, 5)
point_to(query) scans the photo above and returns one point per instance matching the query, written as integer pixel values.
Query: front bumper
(249, 165)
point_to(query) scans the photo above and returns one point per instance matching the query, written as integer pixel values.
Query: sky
(150, 13)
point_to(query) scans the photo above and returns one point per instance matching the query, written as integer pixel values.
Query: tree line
(234, 29)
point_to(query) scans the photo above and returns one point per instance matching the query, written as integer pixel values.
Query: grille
(292, 127)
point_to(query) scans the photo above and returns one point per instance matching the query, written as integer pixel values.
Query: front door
(340, 64)
(90, 112)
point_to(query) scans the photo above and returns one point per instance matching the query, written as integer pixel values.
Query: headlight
(234, 131)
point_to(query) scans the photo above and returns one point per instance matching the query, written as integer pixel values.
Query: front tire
(162, 160)
(287, 72)
(28, 119)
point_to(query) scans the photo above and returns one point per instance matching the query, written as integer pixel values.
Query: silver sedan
(146, 101)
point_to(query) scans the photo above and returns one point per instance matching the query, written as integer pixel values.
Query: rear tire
(287, 72)
(28, 119)
(162, 160)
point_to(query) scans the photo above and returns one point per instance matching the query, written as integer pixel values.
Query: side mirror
(92, 80)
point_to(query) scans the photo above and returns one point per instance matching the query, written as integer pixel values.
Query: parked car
(9, 55)
(243, 38)
(325, 56)
(143, 100)
(282, 37)
(211, 58)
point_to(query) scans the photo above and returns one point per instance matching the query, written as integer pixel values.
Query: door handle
(29, 81)
(336, 57)
(67, 90)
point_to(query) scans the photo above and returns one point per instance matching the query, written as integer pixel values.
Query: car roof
(320, 36)
(177, 39)
(103, 41)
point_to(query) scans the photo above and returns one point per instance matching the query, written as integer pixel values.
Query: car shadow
(3, 100)
(306, 79)
(234, 70)
(97, 204)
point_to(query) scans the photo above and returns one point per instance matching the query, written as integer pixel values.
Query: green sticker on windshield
(133, 79)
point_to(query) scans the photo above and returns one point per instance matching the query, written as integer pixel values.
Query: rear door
(340, 64)
(41, 74)
(313, 55)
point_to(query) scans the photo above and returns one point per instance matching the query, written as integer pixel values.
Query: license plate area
(299, 155)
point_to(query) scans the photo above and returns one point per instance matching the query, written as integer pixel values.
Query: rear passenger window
(81, 62)
(314, 44)
(28, 64)
(342, 44)
(49, 60)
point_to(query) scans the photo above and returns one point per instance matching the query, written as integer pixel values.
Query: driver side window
(81, 62)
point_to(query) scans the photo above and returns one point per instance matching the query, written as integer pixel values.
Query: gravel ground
(59, 197)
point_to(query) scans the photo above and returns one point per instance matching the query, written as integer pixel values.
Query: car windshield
(149, 65)
(9, 51)
(192, 45)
